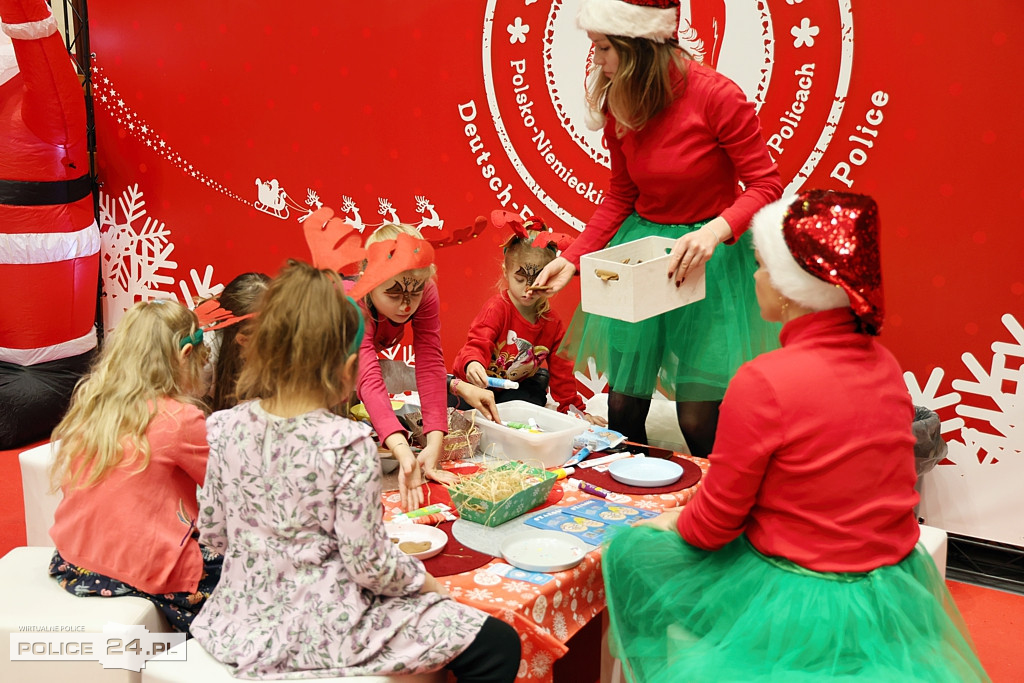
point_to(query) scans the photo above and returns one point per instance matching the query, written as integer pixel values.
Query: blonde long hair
(642, 85)
(112, 406)
(302, 337)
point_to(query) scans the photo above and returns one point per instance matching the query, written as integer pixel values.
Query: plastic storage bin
(629, 281)
(551, 448)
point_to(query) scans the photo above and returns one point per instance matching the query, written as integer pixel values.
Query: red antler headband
(213, 316)
(521, 228)
(332, 242)
(385, 260)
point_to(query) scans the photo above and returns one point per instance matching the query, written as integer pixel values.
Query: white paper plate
(648, 472)
(543, 551)
(418, 533)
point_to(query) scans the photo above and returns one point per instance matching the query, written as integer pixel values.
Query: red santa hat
(821, 251)
(656, 20)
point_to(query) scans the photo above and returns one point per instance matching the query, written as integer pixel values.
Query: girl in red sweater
(797, 558)
(516, 333)
(132, 453)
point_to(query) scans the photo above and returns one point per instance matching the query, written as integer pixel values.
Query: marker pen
(498, 383)
(592, 490)
(562, 472)
(579, 455)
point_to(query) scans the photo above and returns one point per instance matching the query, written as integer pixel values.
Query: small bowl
(418, 533)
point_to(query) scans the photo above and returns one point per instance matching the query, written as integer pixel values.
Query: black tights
(492, 657)
(698, 420)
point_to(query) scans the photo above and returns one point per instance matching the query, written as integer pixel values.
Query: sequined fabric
(834, 237)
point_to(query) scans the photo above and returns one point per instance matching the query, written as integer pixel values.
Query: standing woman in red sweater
(797, 560)
(681, 138)
(132, 454)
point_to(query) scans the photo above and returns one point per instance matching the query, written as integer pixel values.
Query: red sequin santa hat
(656, 20)
(821, 251)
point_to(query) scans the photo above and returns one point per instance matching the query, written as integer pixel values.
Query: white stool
(33, 599)
(40, 504)
(936, 542)
(200, 667)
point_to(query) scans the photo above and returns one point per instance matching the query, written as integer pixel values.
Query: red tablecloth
(547, 616)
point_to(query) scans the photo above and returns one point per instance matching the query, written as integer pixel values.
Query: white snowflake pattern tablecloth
(547, 616)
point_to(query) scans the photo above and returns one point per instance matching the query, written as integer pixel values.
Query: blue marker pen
(498, 383)
(578, 456)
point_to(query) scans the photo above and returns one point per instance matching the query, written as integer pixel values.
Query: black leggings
(492, 657)
(698, 420)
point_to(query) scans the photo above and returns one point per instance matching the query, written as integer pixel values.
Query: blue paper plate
(648, 472)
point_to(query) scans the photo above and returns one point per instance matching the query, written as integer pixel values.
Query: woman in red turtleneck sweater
(797, 558)
(687, 162)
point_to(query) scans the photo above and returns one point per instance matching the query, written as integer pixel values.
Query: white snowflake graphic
(540, 664)
(928, 396)
(133, 255)
(478, 594)
(136, 257)
(517, 31)
(803, 35)
(595, 382)
(559, 627)
(203, 286)
(517, 587)
(971, 495)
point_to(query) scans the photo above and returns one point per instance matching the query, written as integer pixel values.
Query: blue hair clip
(358, 339)
(195, 339)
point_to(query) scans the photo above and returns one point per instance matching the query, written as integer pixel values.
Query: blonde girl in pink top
(132, 453)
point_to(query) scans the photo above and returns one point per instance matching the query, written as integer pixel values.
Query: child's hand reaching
(595, 420)
(477, 374)
(480, 399)
(410, 484)
(410, 473)
(428, 458)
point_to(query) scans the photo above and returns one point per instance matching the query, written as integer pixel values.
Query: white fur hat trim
(789, 277)
(621, 18)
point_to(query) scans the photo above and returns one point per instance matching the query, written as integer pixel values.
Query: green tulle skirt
(679, 613)
(692, 352)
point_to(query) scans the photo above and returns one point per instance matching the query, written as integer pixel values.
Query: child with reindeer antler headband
(516, 334)
(396, 290)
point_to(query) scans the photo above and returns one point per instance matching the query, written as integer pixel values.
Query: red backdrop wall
(400, 104)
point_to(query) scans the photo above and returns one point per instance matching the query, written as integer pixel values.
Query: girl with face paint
(391, 302)
(515, 335)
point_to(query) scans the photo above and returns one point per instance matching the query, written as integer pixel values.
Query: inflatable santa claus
(49, 240)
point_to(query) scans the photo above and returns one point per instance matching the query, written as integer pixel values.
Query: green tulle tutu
(681, 614)
(690, 353)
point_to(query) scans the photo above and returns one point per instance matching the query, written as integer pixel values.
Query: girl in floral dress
(311, 581)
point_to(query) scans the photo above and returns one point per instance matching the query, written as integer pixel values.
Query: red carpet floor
(995, 618)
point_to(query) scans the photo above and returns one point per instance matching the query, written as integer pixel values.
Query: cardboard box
(493, 513)
(630, 282)
(550, 448)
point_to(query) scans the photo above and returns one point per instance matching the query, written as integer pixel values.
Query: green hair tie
(358, 339)
(195, 339)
